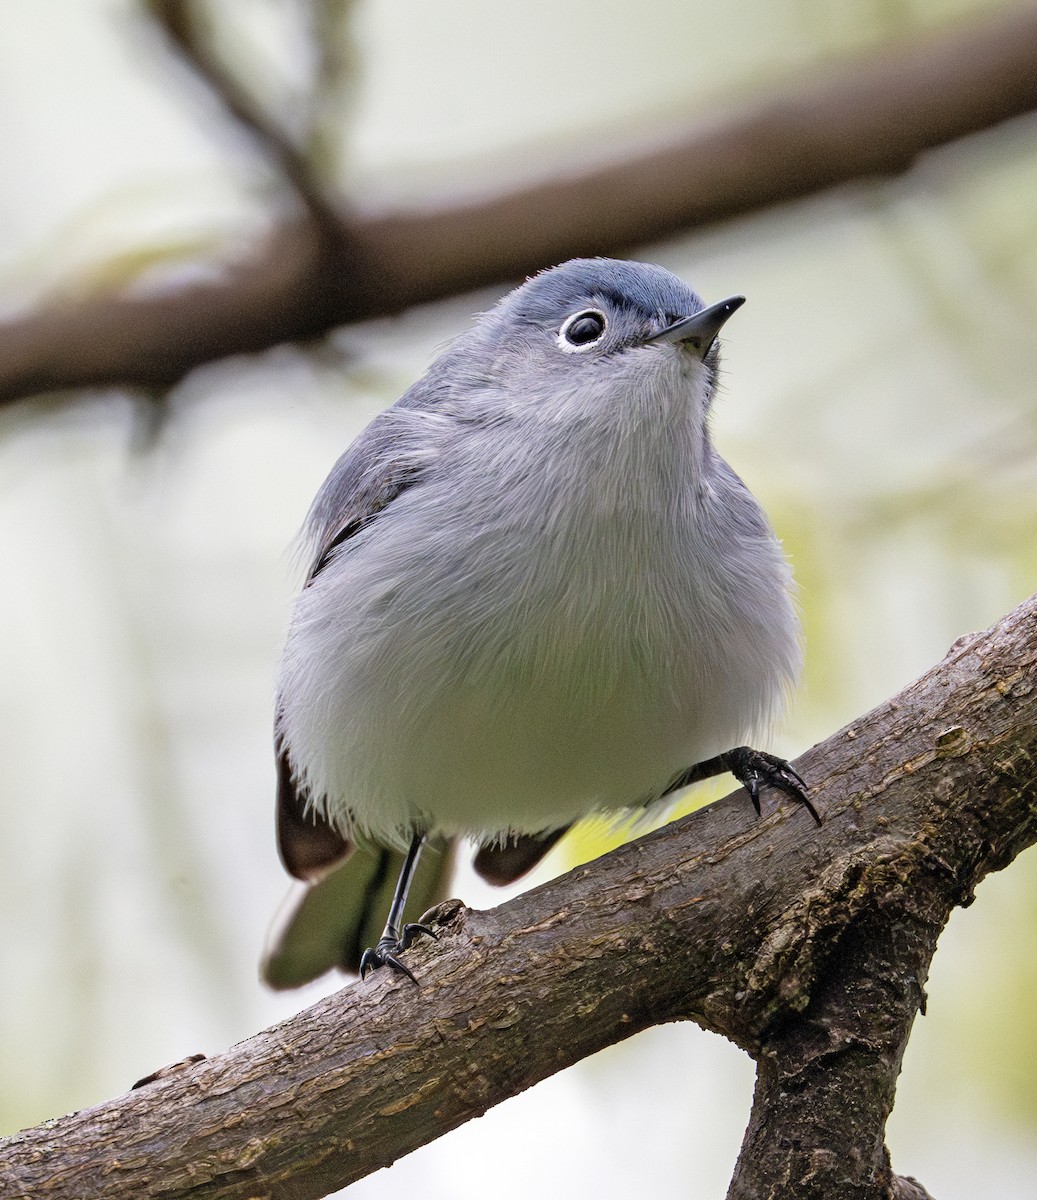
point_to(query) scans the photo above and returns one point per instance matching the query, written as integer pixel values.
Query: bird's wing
(391, 455)
(387, 458)
(504, 864)
(309, 845)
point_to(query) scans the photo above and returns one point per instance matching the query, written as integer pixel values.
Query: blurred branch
(863, 118)
(184, 24)
(335, 75)
(808, 947)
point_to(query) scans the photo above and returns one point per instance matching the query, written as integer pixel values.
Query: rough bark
(859, 119)
(808, 947)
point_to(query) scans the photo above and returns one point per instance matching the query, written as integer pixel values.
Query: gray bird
(537, 593)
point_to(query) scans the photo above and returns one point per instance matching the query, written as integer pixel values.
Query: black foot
(755, 769)
(389, 945)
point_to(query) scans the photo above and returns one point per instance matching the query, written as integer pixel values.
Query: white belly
(486, 686)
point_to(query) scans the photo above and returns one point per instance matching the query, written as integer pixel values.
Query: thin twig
(185, 26)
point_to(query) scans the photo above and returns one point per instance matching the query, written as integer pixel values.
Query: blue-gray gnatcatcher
(537, 592)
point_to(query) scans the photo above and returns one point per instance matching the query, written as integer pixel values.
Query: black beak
(699, 332)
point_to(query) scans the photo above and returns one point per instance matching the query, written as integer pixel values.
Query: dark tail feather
(330, 923)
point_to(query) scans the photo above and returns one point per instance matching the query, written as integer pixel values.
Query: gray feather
(366, 479)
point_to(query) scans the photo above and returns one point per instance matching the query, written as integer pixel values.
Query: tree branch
(869, 117)
(808, 947)
(185, 26)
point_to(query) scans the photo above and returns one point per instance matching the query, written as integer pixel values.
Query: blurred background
(879, 399)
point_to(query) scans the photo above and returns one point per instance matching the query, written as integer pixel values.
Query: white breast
(569, 650)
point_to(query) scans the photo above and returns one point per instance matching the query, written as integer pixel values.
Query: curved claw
(389, 946)
(383, 957)
(411, 931)
(753, 768)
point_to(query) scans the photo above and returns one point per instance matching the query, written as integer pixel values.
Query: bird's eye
(582, 329)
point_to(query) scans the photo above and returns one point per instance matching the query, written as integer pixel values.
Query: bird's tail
(330, 923)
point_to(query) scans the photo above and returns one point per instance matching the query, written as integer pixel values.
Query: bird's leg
(753, 769)
(394, 939)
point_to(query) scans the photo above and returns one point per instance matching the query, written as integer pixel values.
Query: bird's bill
(698, 332)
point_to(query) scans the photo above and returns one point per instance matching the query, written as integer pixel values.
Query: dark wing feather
(504, 864)
(310, 847)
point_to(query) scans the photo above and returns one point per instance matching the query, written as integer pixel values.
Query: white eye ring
(582, 330)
